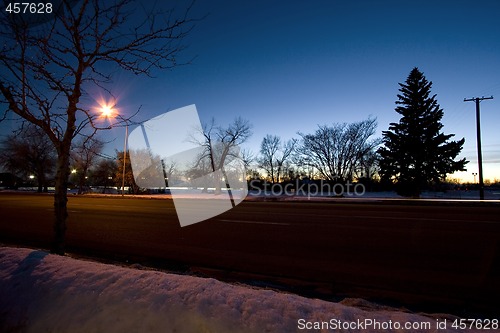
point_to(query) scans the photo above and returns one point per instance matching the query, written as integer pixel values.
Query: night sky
(289, 66)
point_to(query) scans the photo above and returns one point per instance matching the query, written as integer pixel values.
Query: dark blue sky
(289, 66)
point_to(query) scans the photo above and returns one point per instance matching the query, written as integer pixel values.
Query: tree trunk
(229, 191)
(42, 181)
(60, 203)
(218, 189)
(81, 180)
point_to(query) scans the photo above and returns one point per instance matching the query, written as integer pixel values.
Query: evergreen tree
(416, 153)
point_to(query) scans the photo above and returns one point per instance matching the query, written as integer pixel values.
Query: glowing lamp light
(106, 112)
(107, 108)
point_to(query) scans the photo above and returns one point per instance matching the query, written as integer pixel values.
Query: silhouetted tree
(274, 156)
(338, 151)
(104, 173)
(368, 165)
(221, 143)
(247, 157)
(268, 149)
(84, 155)
(29, 152)
(129, 175)
(416, 152)
(47, 70)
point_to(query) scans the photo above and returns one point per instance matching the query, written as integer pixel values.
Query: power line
(106, 156)
(479, 153)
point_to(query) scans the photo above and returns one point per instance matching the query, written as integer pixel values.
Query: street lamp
(474, 174)
(124, 158)
(108, 111)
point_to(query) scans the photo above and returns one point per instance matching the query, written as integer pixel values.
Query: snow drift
(40, 292)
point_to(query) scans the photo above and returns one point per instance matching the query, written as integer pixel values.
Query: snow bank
(40, 292)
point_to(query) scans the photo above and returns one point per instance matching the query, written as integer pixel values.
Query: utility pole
(479, 153)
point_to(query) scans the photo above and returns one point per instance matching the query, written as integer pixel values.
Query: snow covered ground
(40, 292)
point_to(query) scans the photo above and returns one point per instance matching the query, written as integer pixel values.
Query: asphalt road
(432, 257)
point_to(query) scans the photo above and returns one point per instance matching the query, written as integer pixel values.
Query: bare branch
(47, 69)
(338, 151)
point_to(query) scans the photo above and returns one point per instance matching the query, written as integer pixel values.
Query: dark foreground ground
(431, 257)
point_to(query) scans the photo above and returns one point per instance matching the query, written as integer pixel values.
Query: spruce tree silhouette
(415, 153)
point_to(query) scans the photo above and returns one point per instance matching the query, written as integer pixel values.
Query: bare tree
(149, 170)
(230, 137)
(268, 149)
(221, 143)
(275, 156)
(129, 175)
(29, 152)
(284, 157)
(207, 142)
(337, 151)
(47, 69)
(247, 156)
(368, 166)
(103, 173)
(83, 156)
(170, 171)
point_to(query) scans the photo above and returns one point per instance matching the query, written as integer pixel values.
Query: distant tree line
(337, 152)
(31, 158)
(29, 152)
(413, 154)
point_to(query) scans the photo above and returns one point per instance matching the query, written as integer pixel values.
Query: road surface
(426, 256)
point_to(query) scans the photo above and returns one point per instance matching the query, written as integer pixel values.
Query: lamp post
(124, 158)
(108, 111)
(474, 174)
